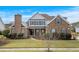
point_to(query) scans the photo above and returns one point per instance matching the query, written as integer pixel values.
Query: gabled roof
(23, 23)
(64, 18)
(47, 16)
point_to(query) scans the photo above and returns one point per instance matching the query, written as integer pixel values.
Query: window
(64, 30)
(37, 22)
(53, 30)
(58, 22)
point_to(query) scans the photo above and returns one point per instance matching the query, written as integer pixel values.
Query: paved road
(39, 48)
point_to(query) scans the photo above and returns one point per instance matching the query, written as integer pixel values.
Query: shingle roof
(47, 16)
(64, 18)
(23, 23)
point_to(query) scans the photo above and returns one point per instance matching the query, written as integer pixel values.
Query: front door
(31, 31)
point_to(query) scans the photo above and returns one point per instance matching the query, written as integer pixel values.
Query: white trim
(35, 15)
(37, 21)
(52, 20)
(37, 25)
(14, 24)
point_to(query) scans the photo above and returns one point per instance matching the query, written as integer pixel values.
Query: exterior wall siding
(58, 28)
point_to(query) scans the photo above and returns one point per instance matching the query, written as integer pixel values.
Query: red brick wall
(17, 23)
(58, 28)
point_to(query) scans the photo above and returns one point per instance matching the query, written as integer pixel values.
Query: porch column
(34, 32)
(40, 32)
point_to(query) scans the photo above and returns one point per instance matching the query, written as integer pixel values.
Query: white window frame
(37, 22)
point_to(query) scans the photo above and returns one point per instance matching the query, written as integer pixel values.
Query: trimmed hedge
(6, 33)
(58, 36)
(66, 36)
(15, 36)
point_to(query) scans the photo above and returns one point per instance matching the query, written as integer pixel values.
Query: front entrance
(36, 32)
(31, 31)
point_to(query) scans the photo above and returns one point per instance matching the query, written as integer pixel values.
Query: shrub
(51, 36)
(6, 33)
(0, 32)
(65, 36)
(12, 35)
(20, 35)
(62, 36)
(47, 36)
(15, 36)
(68, 36)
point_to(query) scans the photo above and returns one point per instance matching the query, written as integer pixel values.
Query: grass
(41, 43)
(65, 51)
(25, 43)
(21, 51)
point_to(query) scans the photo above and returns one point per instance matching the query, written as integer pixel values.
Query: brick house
(39, 24)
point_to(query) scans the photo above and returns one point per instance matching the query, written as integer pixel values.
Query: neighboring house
(75, 34)
(2, 26)
(76, 28)
(39, 24)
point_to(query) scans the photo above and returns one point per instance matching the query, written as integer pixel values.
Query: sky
(7, 12)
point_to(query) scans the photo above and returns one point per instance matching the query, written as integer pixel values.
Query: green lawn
(22, 51)
(42, 43)
(65, 51)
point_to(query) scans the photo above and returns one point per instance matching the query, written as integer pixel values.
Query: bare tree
(47, 37)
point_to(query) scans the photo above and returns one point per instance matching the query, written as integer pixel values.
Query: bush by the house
(15, 36)
(68, 36)
(57, 36)
(6, 33)
(20, 35)
(12, 35)
(64, 36)
(0, 33)
(47, 36)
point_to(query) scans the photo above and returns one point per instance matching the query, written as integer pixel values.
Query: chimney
(18, 23)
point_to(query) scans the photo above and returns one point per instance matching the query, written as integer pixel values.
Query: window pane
(53, 30)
